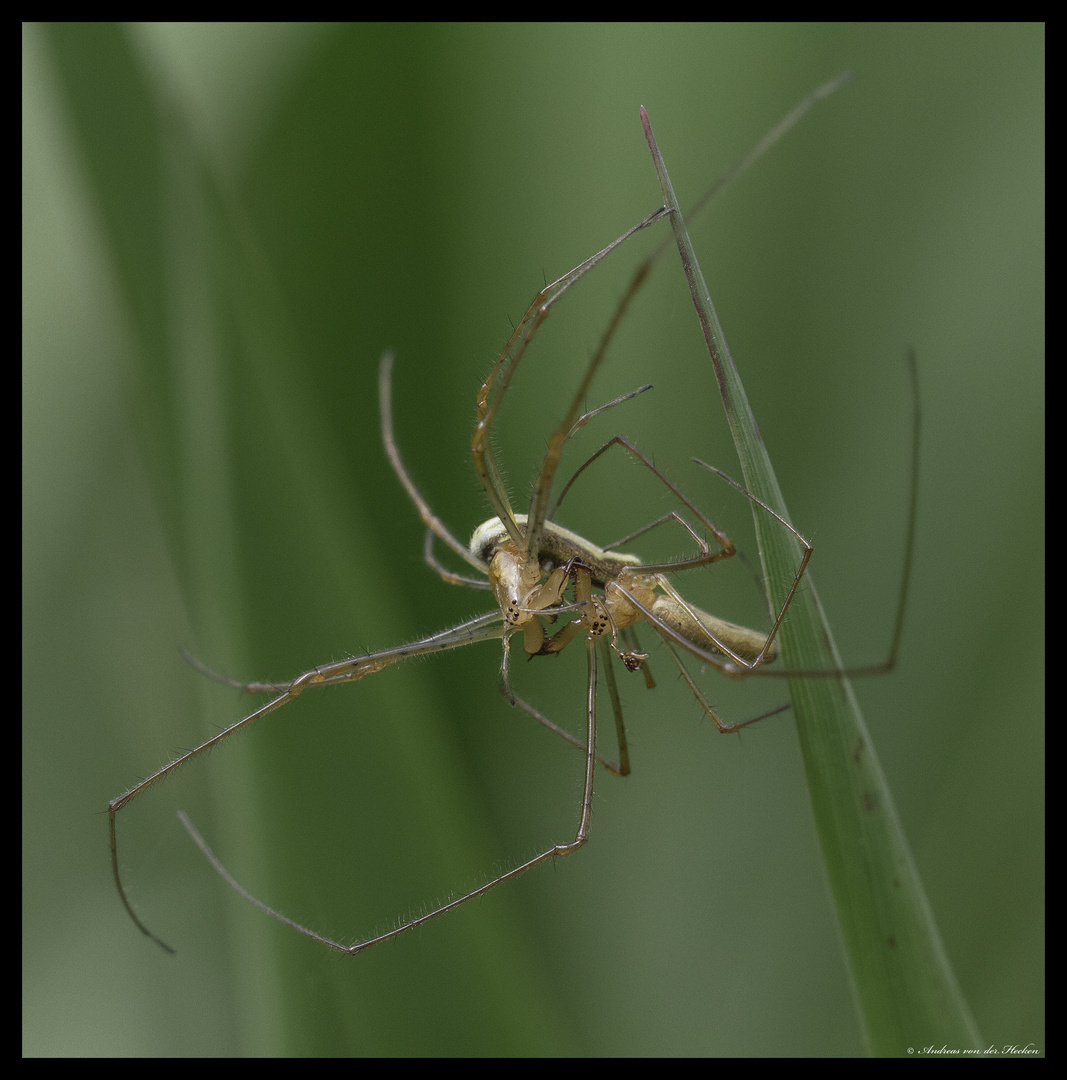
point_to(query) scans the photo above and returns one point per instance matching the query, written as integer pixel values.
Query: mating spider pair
(531, 565)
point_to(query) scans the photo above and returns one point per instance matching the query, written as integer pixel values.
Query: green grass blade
(906, 992)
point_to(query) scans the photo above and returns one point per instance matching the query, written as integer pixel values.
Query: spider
(531, 564)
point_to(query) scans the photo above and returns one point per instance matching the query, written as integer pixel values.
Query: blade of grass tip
(906, 992)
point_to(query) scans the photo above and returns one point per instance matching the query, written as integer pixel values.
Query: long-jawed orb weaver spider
(529, 563)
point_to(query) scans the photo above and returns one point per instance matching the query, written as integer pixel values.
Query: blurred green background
(223, 228)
